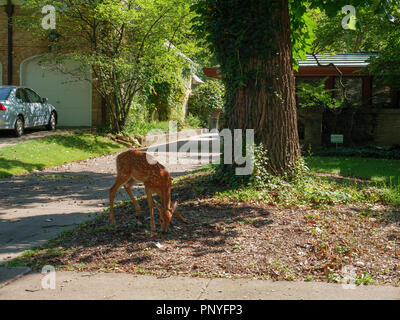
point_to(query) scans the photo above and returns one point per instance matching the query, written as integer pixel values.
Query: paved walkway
(106, 286)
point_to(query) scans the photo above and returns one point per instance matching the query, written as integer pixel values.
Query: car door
(43, 111)
(36, 106)
(25, 107)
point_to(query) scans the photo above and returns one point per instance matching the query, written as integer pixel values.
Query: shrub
(298, 187)
(207, 98)
(165, 97)
(192, 121)
(316, 95)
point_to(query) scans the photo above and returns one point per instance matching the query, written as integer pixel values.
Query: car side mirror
(44, 100)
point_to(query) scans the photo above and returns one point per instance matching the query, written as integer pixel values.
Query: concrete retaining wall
(165, 138)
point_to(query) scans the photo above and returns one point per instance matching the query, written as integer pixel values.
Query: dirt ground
(245, 240)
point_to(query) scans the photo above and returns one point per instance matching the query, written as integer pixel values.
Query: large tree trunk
(267, 103)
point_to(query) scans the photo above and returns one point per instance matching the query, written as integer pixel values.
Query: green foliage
(304, 188)
(238, 33)
(260, 175)
(316, 95)
(386, 66)
(166, 96)
(193, 121)
(123, 43)
(239, 30)
(140, 122)
(365, 279)
(374, 19)
(207, 98)
(302, 26)
(262, 178)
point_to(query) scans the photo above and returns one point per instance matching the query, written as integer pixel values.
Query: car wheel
(19, 127)
(52, 122)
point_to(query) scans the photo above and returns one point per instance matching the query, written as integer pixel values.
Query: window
(32, 96)
(4, 93)
(21, 94)
(384, 96)
(354, 89)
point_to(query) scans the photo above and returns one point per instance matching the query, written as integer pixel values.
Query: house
(77, 102)
(377, 120)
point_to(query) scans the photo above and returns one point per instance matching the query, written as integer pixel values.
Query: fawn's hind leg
(151, 207)
(128, 188)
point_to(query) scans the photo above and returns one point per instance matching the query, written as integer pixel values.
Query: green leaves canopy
(226, 23)
(123, 43)
(377, 30)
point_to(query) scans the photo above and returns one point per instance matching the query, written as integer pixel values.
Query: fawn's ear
(174, 206)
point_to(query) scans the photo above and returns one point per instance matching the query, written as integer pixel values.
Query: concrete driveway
(34, 208)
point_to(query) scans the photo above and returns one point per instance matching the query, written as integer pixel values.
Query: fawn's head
(166, 215)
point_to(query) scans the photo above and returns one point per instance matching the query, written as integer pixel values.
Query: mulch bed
(239, 240)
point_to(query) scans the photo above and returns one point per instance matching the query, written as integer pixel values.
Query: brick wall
(97, 111)
(311, 119)
(3, 43)
(387, 129)
(366, 126)
(25, 46)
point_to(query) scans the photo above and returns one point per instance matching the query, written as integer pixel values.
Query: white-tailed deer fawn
(133, 167)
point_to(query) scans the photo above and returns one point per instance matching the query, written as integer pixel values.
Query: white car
(21, 108)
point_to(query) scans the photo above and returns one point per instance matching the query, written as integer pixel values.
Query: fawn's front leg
(120, 180)
(129, 191)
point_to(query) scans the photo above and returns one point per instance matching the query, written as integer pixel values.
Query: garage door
(71, 97)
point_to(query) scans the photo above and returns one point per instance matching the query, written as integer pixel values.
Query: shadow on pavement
(38, 206)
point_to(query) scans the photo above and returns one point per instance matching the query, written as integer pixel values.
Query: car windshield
(4, 93)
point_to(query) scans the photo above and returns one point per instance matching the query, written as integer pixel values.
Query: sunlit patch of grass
(51, 151)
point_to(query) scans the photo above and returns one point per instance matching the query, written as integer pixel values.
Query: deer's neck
(166, 198)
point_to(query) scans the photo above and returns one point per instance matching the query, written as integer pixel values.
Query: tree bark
(267, 103)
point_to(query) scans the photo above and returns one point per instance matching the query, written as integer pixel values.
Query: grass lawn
(301, 231)
(51, 151)
(145, 128)
(332, 180)
(382, 171)
(158, 127)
